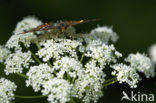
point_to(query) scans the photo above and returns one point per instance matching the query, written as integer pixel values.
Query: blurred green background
(133, 20)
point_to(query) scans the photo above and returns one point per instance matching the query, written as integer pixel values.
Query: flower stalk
(34, 56)
(31, 97)
(22, 75)
(109, 82)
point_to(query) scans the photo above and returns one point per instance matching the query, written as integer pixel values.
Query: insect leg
(63, 29)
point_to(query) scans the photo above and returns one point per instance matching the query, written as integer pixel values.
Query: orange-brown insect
(62, 25)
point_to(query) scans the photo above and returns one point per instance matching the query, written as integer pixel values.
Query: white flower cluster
(6, 90)
(141, 63)
(4, 52)
(98, 48)
(102, 53)
(38, 75)
(67, 58)
(129, 74)
(68, 65)
(126, 74)
(90, 83)
(152, 53)
(105, 34)
(24, 25)
(27, 23)
(76, 65)
(57, 48)
(59, 90)
(16, 62)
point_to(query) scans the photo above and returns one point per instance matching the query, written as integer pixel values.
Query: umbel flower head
(129, 73)
(6, 90)
(70, 65)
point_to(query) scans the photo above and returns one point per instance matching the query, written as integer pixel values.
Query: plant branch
(22, 75)
(71, 100)
(110, 81)
(30, 97)
(82, 58)
(34, 56)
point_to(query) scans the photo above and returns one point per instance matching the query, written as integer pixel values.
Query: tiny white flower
(16, 62)
(6, 90)
(4, 52)
(141, 63)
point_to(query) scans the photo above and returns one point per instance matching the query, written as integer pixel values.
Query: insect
(61, 25)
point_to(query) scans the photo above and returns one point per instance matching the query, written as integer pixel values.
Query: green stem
(82, 58)
(71, 100)
(30, 97)
(68, 77)
(73, 80)
(110, 81)
(49, 64)
(22, 75)
(38, 45)
(34, 56)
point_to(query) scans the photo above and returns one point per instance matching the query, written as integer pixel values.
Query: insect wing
(45, 26)
(80, 21)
